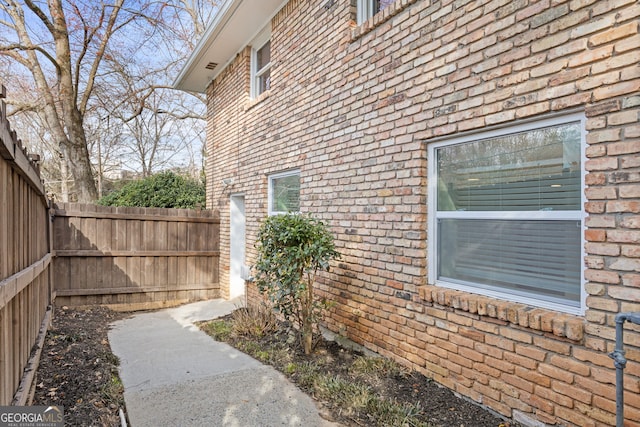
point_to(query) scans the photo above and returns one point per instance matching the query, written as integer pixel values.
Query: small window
(284, 192)
(261, 69)
(507, 216)
(368, 8)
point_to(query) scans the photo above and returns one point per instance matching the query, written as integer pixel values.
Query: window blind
(531, 258)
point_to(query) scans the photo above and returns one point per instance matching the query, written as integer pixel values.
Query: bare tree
(104, 136)
(165, 128)
(34, 135)
(63, 45)
(68, 58)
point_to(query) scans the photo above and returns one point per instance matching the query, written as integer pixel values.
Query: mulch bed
(440, 406)
(77, 369)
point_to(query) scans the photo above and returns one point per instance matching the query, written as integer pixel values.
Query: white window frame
(434, 215)
(365, 10)
(258, 43)
(271, 211)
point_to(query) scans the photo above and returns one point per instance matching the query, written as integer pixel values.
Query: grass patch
(391, 413)
(351, 396)
(219, 330)
(376, 366)
(112, 391)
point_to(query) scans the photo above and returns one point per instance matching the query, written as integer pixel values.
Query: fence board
(135, 257)
(129, 257)
(25, 259)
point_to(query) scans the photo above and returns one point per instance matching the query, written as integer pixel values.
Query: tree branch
(86, 41)
(40, 14)
(22, 48)
(22, 107)
(100, 54)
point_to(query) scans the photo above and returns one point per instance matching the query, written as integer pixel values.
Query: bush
(163, 190)
(292, 248)
(254, 321)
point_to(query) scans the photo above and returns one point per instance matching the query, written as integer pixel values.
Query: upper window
(368, 8)
(506, 209)
(284, 192)
(261, 65)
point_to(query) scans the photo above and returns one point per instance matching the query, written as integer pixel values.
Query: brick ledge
(249, 104)
(540, 319)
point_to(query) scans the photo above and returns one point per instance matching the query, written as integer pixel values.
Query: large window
(261, 67)
(284, 192)
(506, 213)
(368, 8)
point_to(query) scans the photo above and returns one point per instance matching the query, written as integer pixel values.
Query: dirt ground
(440, 407)
(78, 371)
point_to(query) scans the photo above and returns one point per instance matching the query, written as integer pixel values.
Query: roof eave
(234, 26)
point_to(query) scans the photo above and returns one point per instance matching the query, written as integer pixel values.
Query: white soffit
(233, 27)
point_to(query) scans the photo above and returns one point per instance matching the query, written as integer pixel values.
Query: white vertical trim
(237, 244)
(256, 44)
(583, 146)
(432, 233)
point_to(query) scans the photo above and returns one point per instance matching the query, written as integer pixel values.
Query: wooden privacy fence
(128, 258)
(134, 258)
(25, 265)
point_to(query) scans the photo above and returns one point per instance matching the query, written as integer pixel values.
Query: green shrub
(163, 190)
(292, 248)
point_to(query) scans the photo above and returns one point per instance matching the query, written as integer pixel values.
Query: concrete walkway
(176, 375)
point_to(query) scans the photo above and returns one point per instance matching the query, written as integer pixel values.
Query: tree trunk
(70, 118)
(307, 337)
(64, 174)
(78, 163)
(307, 320)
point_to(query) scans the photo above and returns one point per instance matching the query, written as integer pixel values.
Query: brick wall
(355, 107)
(224, 156)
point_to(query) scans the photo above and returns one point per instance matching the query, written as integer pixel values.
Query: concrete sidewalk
(176, 375)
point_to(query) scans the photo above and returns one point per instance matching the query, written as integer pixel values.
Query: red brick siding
(354, 108)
